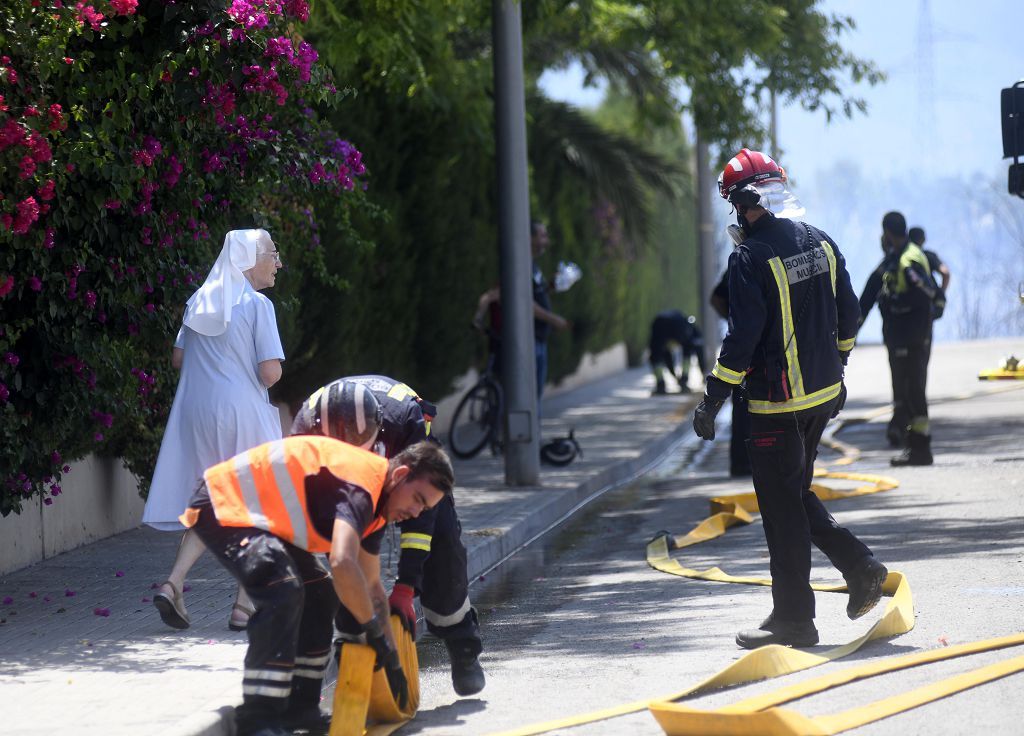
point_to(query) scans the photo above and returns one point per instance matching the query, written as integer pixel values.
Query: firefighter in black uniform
(432, 560)
(907, 297)
(793, 320)
(739, 463)
(668, 327)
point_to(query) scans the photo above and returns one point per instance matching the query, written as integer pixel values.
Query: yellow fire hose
(760, 715)
(363, 703)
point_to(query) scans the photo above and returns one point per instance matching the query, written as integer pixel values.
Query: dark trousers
(290, 633)
(438, 573)
(739, 461)
(782, 449)
(908, 364)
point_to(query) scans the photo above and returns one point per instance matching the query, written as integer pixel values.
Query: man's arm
(869, 296)
(348, 572)
(369, 564)
(545, 315)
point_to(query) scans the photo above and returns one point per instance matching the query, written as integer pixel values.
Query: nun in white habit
(229, 353)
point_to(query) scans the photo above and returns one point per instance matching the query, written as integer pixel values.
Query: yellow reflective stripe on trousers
(413, 540)
(727, 374)
(847, 345)
(831, 263)
(808, 401)
(796, 379)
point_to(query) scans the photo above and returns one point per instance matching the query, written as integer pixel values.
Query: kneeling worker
(265, 514)
(432, 561)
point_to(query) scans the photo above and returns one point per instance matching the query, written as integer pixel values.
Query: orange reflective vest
(265, 487)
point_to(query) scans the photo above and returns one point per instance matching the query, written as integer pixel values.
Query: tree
(132, 136)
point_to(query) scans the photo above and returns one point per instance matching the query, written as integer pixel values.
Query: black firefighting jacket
(793, 318)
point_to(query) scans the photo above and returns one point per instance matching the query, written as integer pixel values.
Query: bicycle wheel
(474, 420)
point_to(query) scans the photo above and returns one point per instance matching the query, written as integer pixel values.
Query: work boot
(896, 434)
(865, 585)
(659, 389)
(467, 674)
(779, 631)
(918, 451)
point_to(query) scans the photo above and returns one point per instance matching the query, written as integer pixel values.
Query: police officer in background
(792, 322)
(907, 297)
(432, 560)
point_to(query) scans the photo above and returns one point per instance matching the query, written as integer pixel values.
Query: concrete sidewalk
(84, 651)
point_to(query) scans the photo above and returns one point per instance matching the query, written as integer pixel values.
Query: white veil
(208, 310)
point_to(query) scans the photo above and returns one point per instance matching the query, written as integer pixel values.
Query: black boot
(779, 631)
(659, 388)
(896, 434)
(865, 585)
(918, 452)
(467, 674)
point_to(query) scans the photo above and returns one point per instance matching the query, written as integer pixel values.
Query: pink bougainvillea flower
(112, 204)
(101, 612)
(124, 7)
(119, 574)
(11, 359)
(154, 586)
(33, 594)
(146, 599)
(4, 393)
(46, 599)
(8, 600)
(6, 286)
(68, 60)
(47, 501)
(35, 283)
(68, 593)
(186, 588)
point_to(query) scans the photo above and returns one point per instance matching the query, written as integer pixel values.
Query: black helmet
(348, 411)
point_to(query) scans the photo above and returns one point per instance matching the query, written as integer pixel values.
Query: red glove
(401, 603)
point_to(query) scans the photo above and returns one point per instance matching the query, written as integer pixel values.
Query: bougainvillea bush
(133, 135)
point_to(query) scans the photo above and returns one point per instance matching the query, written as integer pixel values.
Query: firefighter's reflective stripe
(311, 667)
(267, 683)
(831, 255)
(438, 619)
(797, 403)
(414, 540)
(796, 379)
(847, 345)
(727, 374)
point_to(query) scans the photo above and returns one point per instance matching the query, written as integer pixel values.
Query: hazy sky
(937, 157)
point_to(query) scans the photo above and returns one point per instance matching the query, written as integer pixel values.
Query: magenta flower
(8, 600)
(33, 594)
(112, 204)
(124, 7)
(11, 359)
(6, 286)
(35, 283)
(119, 574)
(68, 593)
(47, 501)
(90, 299)
(101, 612)
(4, 393)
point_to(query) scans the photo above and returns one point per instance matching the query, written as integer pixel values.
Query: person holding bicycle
(543, 318)
(432, 559)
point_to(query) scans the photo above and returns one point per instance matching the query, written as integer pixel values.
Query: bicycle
(477, 419)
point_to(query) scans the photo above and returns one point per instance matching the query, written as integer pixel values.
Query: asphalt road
(578, 621)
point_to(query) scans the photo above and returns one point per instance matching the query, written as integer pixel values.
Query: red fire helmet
(745, 168)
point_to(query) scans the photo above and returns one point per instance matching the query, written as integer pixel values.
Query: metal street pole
(519, 378)
(706, 250)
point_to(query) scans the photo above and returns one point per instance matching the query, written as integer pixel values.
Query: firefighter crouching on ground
(265, 514)
(792, 322)
(668, 327)
(432, 561)
(907, 296)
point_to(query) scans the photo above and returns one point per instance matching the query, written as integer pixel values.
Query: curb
(488, 553)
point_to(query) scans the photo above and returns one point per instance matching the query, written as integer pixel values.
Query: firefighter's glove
(841, 401)
(387, 657)
(401, 603)
(704, 417)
